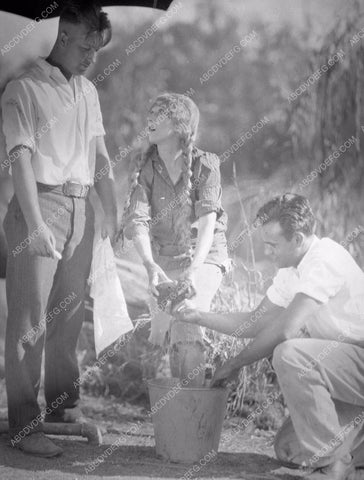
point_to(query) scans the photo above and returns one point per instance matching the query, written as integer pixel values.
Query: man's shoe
(68, 415)
(339, 470)
(39, 445)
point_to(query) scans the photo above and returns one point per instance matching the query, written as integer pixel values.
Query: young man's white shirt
(58, 120)
(330, 275)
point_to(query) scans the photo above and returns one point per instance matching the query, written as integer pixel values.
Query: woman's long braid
(183, 224)
(140, 160)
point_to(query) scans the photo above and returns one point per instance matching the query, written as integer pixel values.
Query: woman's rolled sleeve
(209, 189)
(138, 217)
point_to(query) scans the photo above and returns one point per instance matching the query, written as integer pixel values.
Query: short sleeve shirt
(330, 275)
(154, 204)
(58, 120)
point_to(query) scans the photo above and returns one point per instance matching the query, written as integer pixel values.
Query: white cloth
(57, 120)
(111, 317)
(329, 274)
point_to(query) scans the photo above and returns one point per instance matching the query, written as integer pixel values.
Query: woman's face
(160, 126)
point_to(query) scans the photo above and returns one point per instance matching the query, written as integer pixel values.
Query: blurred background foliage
(300, 134)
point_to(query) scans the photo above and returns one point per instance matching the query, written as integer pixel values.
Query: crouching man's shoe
(39, 445)
(341, 469)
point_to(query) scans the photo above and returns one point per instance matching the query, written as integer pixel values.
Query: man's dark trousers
(46, 307)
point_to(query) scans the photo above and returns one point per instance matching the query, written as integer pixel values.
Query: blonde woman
(174, 216)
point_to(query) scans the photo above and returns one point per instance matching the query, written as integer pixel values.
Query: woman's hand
(156, 275)
(186, 285)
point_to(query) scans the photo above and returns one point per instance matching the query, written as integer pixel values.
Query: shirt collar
(51, 70)
(156, 160)
(307, 254)
(162, 170)
(196, 152)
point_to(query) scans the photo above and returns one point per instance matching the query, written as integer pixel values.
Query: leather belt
(69, 188)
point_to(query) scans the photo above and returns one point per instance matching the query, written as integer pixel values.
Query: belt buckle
(74, 189)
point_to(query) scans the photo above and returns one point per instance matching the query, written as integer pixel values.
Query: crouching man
(313, 324)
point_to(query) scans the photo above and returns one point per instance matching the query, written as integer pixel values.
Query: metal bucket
(187, 421)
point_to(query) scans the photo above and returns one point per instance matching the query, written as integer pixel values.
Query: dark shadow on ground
(133, 462)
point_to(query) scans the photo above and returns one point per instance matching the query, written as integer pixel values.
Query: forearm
(227, 323)
(261, 346)
(105, 188)
(104, 180)
(25, 188)
(155, 273)
(239, 324)
(143, 247)
(285, 326)
(206, 227)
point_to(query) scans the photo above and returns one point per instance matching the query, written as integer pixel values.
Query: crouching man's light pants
(323, 384)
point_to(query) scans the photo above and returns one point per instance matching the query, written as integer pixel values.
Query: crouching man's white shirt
(330, 275)
(58, 120)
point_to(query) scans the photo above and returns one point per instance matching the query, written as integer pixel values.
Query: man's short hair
(90, 14)
(293, 213)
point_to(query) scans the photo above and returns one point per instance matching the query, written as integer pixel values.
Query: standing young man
(312, 321)
(54, 138)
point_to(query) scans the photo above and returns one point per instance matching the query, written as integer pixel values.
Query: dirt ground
(247, 454)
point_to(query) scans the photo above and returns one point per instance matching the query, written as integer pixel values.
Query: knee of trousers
(287, 356)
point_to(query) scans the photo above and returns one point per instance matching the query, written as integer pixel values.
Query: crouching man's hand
(228, 372)
(186, 311)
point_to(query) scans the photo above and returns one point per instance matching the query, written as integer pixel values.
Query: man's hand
(109, 228)
(156, 275)
(228, 372)
(43, 242)
(186, 311)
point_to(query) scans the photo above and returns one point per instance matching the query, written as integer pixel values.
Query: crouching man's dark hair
(292, 212)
